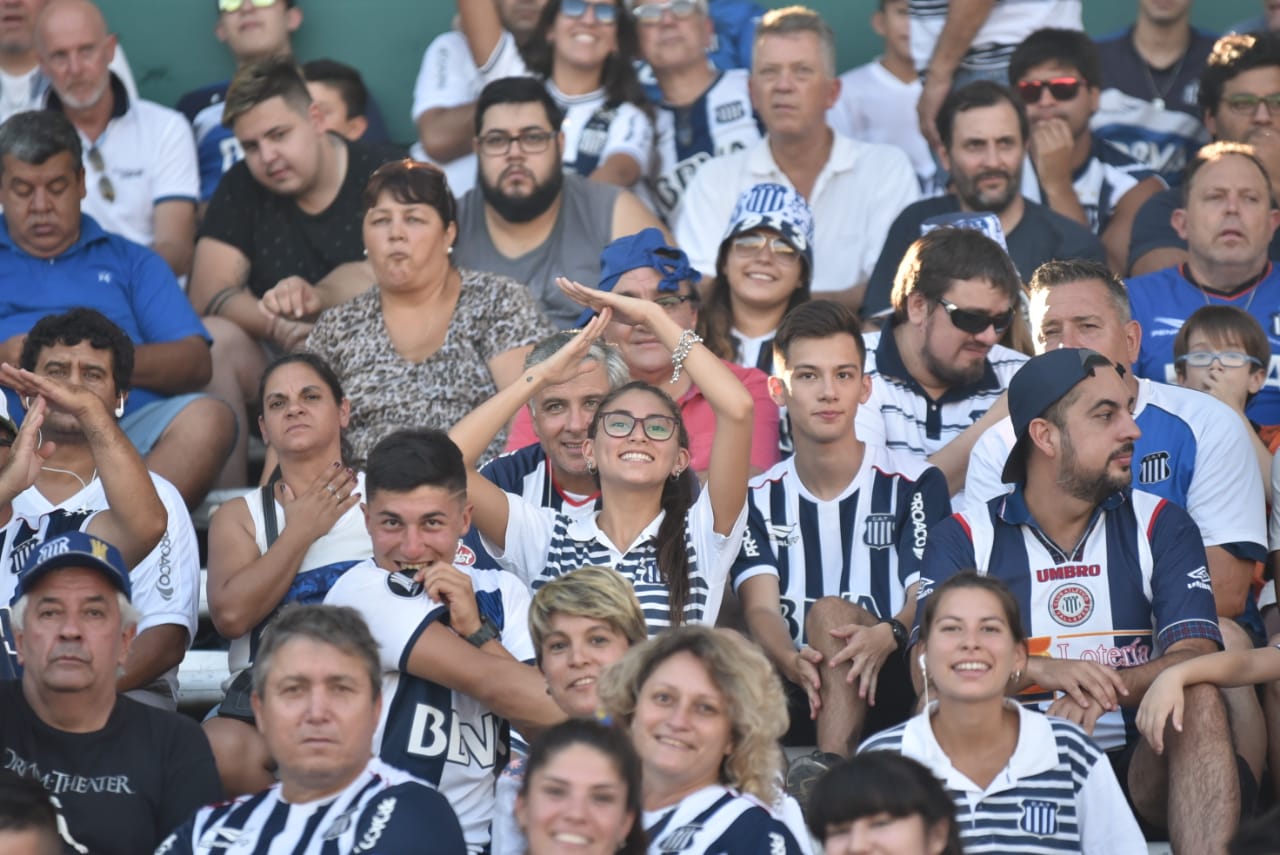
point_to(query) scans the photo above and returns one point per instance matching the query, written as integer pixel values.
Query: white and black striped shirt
(718, 821)
(543, 544)
(1057, 793)
(383, 810)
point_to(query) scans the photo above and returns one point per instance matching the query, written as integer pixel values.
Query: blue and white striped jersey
(1135, 584)
(1193, 451)
(444, 737)
(527, 473)
(719, 122)
(902, 417)
(865, 545)
(1057, 794)
(1100, 183)
(718, 821)
(383, 810)
(1163, 300)
(543, 544)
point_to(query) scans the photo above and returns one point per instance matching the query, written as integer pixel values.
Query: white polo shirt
(149, 155)
(859, 193)
(447, 78)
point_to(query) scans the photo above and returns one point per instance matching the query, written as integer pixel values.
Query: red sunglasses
(1061, 88)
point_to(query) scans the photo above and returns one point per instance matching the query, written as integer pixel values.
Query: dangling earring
(675, 476)
(591, 466)
(924, 676)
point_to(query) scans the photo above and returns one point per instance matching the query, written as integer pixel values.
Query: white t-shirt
(877, 107)
(447, 78)
(149, 155)
(859, 193)
(166, 584)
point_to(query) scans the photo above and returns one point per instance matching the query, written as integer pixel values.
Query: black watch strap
(487, 632)
(900, 634)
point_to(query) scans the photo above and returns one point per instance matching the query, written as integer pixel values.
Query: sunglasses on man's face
(1061, 88)
(974, 323)
(605, 13)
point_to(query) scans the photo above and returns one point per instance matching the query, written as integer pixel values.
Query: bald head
(75, 50)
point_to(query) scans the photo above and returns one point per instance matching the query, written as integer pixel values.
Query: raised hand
(319, 507)
(292, 297)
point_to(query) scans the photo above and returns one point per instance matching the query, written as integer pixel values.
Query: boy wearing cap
(123, 774)
(829, 566)
(1113, 586)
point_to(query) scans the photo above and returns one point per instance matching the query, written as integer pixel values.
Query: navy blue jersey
(384, 810)
(1152, 113)
(1100, 183)
(865, 545)
(1135, 584)
(718, 821)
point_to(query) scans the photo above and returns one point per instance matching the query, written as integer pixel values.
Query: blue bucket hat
(647, 248)
(777, 207)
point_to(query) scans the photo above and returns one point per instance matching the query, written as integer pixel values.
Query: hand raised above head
(627, 310)
(567, 362)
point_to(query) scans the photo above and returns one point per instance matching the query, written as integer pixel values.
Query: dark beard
(522, 209)
(1091, 487)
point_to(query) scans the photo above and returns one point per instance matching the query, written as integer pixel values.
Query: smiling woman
(998, 758)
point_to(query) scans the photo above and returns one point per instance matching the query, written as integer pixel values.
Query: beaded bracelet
(688, 339)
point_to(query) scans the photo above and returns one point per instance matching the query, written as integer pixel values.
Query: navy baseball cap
(647, 248)
(73, 549)
(1039, 384)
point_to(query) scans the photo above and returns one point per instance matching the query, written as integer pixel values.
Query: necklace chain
(1159, 100)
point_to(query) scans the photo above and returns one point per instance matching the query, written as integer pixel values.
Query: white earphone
(120, 407)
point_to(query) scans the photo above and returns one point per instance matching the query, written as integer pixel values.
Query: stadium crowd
(682, 446)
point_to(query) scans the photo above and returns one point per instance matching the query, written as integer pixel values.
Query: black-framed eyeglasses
(749, 245)
(498, 143)
(1061, 88)
(105, 187)
(651, 13)
(972, 322)
(619, 424)
(606, 13)
(1228, 358)
(674, 301)
(1246, 104)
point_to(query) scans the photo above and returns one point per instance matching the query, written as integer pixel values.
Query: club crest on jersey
(403, 585)
(1039, 817)
(879, 531)
(465, 556)
(1154, 468)
(680, 839)
(1071, 605)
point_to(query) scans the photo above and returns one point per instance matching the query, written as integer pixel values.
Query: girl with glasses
(763, 270)
(583, 50)
(674, 544)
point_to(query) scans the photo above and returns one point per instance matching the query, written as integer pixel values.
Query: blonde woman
(705, 711)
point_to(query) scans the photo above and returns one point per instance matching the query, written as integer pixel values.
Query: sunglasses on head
(605, 13)
(1061, 88)
(651, 13)
(237, 5)
(967, 320)
(105, 187)
(619, 425)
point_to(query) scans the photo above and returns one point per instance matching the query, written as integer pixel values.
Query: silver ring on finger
(332, 489)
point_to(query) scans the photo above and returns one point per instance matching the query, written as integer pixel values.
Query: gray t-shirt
(583, 228)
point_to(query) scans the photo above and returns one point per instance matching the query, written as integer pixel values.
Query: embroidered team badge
(782, 534)
(1154, 468)
(403, 585)
(1071, 605)
(1039, 817)
(879, 531)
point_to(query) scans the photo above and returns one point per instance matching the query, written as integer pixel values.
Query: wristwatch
(900, 635)
(488, 631)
